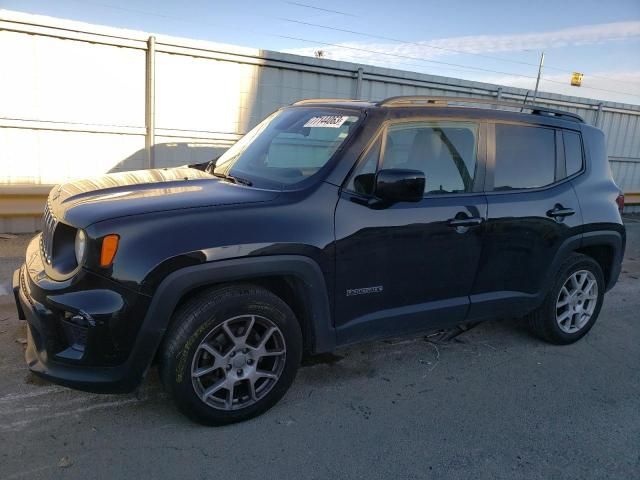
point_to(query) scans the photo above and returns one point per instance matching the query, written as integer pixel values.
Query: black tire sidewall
(578, 262)
(178, 355)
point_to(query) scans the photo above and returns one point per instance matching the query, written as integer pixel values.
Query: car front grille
(49, 222)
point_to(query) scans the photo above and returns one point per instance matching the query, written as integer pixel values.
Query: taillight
(620, 202)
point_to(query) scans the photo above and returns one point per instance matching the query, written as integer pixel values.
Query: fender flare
(613, 239)
(177, 284)
(609, 238)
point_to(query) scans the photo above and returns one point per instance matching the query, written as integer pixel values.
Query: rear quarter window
(572, 151)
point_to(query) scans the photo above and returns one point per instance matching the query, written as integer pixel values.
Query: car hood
(84, 202)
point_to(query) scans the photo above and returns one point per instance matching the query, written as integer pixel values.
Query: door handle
(560, 212)
(464, 222)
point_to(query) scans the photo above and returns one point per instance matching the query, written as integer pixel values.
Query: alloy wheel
(238, 362)
(576, 301)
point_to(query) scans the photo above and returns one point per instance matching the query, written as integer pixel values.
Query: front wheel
(231, 354)
(573, 303)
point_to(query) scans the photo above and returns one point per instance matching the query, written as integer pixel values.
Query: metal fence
(80, 100)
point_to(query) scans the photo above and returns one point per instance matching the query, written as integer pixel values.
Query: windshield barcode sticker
(326, 121)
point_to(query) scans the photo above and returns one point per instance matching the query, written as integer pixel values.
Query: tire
(563, 323)
(231, 353)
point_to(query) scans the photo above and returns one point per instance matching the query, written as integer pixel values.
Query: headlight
(80, 245)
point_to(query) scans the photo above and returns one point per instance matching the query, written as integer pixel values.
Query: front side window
(363, 180)
(444, 151)
(289, 146)
(525, 157)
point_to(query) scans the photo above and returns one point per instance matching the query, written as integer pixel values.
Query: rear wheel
(231, 354)
(573, 303)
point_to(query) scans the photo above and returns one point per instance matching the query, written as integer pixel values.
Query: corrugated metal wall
(73, 102)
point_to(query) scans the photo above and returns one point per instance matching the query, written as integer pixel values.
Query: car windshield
(288, 147)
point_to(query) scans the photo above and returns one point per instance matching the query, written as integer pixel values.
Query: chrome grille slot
(49, 222)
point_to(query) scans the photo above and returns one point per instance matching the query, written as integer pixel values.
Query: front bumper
(82, 332)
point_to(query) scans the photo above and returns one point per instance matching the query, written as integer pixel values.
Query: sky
(497, 42)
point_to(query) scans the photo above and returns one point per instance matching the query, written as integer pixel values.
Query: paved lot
(494, 403)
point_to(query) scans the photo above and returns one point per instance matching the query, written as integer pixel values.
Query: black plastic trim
(614, 240)
(126, 377)
(179, 283)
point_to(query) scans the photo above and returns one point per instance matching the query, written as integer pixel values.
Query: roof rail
(426, 101)
(327, 100)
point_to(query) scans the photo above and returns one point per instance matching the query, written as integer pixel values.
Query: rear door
(532, 211)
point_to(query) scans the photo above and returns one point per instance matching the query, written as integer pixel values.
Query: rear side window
(525, 157)
(572, 152)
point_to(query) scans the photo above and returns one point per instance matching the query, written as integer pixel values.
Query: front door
(411, 266)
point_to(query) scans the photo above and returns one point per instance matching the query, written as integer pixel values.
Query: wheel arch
(606, 248)
(296, 279)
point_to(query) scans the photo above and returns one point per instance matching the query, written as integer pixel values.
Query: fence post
(150, 102)
(598, 112)
(360, 73)
(498, 96)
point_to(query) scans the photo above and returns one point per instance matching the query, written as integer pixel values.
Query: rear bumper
(616, 263)
(614, 275)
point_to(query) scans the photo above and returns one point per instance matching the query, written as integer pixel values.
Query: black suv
(330, 223)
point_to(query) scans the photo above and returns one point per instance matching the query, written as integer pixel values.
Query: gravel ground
(493, 403)
(12, 248)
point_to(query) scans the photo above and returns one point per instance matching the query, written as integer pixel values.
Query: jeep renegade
(331, 222)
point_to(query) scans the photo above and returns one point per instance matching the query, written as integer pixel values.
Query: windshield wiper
(231, 178)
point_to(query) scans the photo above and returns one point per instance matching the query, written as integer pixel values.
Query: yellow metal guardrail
(23, 200)
(632, 198)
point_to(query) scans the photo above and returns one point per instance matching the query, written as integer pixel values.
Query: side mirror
(400, 185)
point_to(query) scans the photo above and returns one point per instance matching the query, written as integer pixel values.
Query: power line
(436, 47)
(304, 5)
(391, 39)
(131, 10)
(377, 52)
(397, 55)
(181, 19)
(449, 64)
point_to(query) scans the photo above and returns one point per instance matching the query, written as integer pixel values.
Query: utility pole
(535, 93)
(150, 103)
